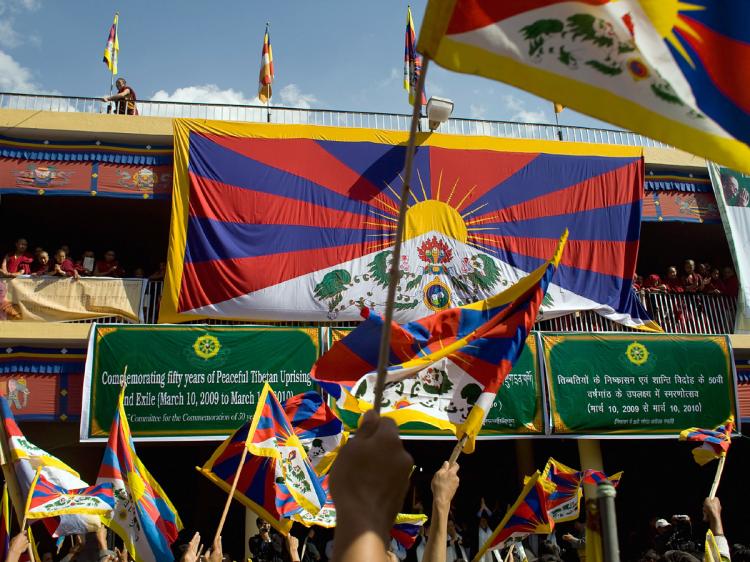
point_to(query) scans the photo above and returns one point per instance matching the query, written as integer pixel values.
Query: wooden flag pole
(717, 477)
(385, 335)
(458, 449)
(231, 495)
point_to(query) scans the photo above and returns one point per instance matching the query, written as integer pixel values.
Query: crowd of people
(700, 278)
(21, 261)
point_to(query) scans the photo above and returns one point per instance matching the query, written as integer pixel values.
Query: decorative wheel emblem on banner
(637, 353)
(206, 347)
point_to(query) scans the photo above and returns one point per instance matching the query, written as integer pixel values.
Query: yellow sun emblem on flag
(665, 17)
(206, 346)
(637, 353)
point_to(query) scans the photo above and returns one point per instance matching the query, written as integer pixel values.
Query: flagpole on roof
(117, 31)
(268, 99)
(385, 337)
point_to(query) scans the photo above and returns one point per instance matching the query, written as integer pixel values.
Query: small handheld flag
(412, 61)
(714, 443)
(144, 518)
(320, 432)
(406, 528)
(112, 49)
(266, 70)
(528, 516)
(49, 500)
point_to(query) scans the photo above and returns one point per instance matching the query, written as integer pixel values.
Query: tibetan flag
(666, 69)
(412, 61)
(591, 476)
(112, 50)
(445, 369)
(564, 501)
(266, 70)
(714, 443)
(48, 500)
(406, 528)
(143, 517)
(25, 459)
(277, 479)
(326, 517)
(285, 222)
(5, 524)
(528, 516)
(320, 432)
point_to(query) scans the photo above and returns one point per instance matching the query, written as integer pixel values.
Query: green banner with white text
(637, 384)
(191, 382)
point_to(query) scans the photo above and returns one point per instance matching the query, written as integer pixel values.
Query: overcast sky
(327, 54)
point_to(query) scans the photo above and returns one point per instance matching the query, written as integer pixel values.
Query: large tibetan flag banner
(527, 516)
(447, 368)
(667, 69)
(143, 517)
(277, 478)
(49, 500)
(23, 462)
(295, 222)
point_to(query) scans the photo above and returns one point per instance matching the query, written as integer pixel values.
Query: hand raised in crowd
(368, 484)
(191, 552)
(18, 545)
(78, 542)
(215, 554)
(712, 514)
(292, 544)
(444, 486)
(122, 555)
(101, 537)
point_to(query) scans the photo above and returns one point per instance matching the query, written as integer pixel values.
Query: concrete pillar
(524, 458)
(590, 452)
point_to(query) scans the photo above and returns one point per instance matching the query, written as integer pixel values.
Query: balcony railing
(333, 118)
(675, 313)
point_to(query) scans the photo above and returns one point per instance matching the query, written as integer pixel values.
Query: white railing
(333, 118)
(675, 313)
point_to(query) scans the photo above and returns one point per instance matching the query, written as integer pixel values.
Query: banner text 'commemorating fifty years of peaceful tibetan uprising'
(191, 381)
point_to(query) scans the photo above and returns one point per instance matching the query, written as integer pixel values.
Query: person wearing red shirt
(63, 267)
(18, 262)
(109, 266)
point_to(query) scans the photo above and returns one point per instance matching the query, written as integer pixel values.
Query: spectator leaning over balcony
(731, 285)
(654, 284)
(692, 280)
(86, 264)
(63, 267)
(41, 264)
(109, 266)
(17, 262)
(713, 285)
(124, 98)
(673, 282)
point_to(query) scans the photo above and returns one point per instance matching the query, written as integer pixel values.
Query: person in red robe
(109, 266)
(87, 263)
(63, 267)
(692, 281)
(673, 282)
(713, 285)
(730, 282)
(41, 264)
(124, 98)
(17, 262)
